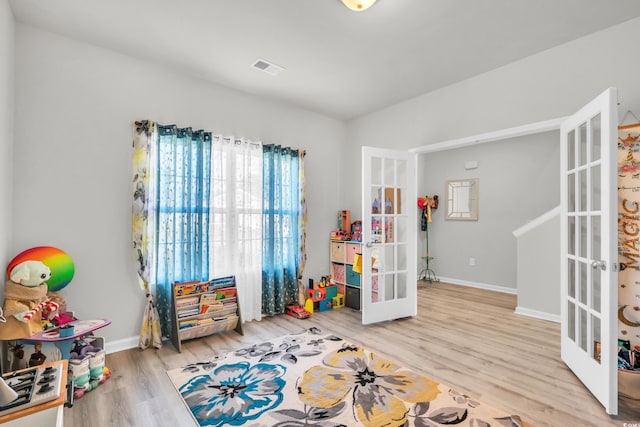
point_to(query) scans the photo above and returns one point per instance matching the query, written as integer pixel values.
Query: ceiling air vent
(268, 67)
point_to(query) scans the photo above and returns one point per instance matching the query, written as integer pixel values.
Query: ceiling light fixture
(358, 5)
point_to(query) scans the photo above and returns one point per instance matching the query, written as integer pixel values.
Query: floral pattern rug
(312, 379)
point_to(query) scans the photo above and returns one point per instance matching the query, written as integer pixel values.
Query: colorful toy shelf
(64, 342)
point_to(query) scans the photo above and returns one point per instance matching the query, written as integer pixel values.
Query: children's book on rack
(205, 307)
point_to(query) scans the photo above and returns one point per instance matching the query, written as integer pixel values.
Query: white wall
(539, 271)
(551, 84)
(7, 63)
(75, 104)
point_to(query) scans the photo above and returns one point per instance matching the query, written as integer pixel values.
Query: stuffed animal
(25, 296)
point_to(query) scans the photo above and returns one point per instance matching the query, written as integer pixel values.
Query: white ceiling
(339, 63)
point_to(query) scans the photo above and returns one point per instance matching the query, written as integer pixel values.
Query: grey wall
(539, 271)
(548, 85)
(75, 104)
(518, 181)
(7, 62)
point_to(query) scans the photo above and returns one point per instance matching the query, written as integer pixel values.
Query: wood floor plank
(467, 338)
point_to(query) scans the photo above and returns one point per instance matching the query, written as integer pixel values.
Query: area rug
(313, 379)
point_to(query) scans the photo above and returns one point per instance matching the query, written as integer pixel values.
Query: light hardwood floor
(467, 338)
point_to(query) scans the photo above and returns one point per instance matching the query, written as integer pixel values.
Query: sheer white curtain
(236, 219)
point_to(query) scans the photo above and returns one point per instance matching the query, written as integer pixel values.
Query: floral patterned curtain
(280, 229)
(144, 138)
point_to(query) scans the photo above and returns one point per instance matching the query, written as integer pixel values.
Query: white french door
(389, 214)
(589, 278)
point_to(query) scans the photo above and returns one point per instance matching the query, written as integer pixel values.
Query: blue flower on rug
(234, 394)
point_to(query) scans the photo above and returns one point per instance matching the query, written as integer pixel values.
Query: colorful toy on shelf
(60, 264)
(356, 231)
(25, 298)
(345, 221)
(340, 235)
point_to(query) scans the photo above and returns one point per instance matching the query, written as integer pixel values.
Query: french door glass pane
(595, 188)
(389, 200)
(389, 229)
(401, 173)
(582, 178)
(402, 257)
(582, 291)
(582, 328)
(596, 137)
(376, 171)
(377, 205)
(582, 149)
(389, 172)
(389, 287)
(582, 238)
(376, 229)
(571, 150)
(402, 285)
(388, 259)
(596, 232)
(571, 272)
(596, 337)
(595, 291)
(374, 286)
(571, 320)
(402, 230)
(571, 192)
(571, 235)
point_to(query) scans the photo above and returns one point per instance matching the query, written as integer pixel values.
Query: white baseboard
(538, 314)
(127, 343)
(121, 344)
(486, 286)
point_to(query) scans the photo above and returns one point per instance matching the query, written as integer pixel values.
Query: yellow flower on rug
(379, 386)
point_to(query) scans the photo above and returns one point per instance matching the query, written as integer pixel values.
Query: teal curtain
(182, 235)
(280, 228)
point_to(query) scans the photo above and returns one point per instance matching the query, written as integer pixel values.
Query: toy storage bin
(338, 251)
(337, 272)
(352, 298)
(353, 278)
(352, 249)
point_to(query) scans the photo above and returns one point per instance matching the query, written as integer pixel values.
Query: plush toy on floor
(25, 296)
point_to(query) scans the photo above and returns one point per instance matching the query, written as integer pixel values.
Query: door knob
(601, 264)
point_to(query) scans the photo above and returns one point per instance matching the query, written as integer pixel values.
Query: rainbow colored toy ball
(60, 264)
